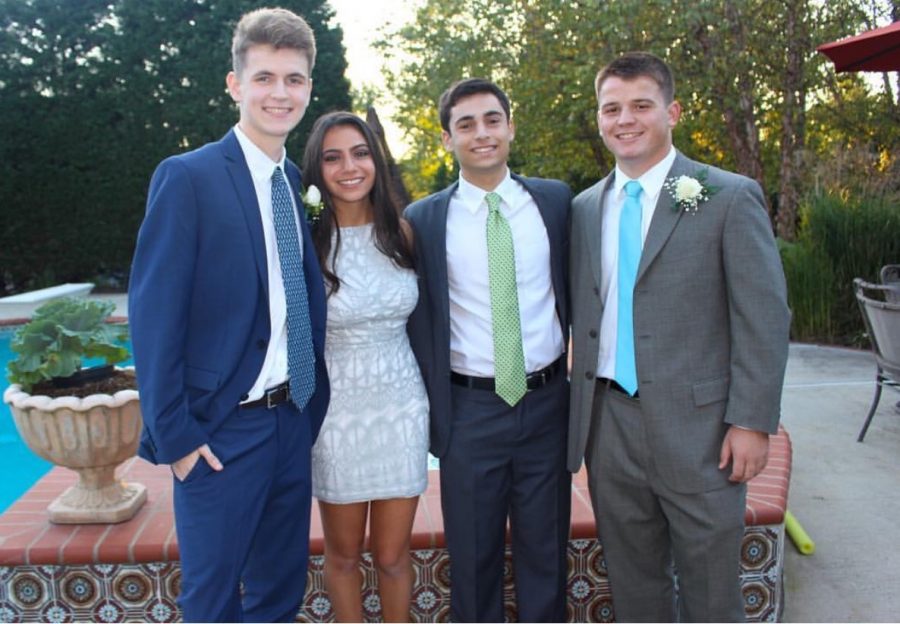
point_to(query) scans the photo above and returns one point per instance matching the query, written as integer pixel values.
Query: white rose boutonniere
(312, 199)
(689, 192)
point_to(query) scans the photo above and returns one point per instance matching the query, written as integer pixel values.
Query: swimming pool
(20, 468)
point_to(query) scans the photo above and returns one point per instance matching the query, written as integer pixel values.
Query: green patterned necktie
(509, 359)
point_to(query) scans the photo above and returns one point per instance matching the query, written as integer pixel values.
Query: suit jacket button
(588, 374)
(592, 333)
(245, 396)
(596, 290)
(261, 344)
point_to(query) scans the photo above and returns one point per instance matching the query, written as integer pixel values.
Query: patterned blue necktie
(301, 358)
(629, 259)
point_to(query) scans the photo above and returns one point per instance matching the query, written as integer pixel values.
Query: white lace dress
(374, 441)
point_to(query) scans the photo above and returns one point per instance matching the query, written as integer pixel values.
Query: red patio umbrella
(874, 50)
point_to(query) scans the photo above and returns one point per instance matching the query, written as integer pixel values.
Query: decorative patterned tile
(146, 592)
(97, 593)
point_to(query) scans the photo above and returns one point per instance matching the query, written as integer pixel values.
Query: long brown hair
(389, 238)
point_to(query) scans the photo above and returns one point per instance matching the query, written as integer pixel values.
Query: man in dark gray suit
(680, 339)
(490, 334)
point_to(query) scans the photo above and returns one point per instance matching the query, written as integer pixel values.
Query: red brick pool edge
(130, 570)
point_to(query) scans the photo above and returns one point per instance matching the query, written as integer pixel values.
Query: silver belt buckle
(540, 377)
(272, 392)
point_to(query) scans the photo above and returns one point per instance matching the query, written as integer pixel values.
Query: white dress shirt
(274, 369)
(471, 327)
(651, 182)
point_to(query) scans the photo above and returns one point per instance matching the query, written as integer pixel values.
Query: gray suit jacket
(429, 324)
(710, 321)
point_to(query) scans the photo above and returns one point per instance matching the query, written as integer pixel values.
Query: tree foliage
(93, 94)
(757, 98)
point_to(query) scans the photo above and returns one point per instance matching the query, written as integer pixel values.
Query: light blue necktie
(301, 358)
(629, 259)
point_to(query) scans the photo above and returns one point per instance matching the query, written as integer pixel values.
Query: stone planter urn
(91, 436)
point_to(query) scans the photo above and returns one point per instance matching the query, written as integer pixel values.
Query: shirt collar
(260, 165)
(651, 181)
(472, 196)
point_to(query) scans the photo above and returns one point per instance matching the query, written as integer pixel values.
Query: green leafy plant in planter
(60, 334)
(73, 417)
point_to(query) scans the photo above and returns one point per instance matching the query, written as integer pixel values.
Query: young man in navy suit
(227, 314)
(492, 250)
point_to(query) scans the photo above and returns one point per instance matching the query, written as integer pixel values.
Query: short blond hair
(278, 28)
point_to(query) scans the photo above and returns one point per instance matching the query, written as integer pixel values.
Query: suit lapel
(541, 200)
(554, 235)
(243, 186)
(315, 286)
(437, 228)
(594, 220)
(664, 218)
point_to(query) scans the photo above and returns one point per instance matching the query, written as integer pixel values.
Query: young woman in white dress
(370, 460)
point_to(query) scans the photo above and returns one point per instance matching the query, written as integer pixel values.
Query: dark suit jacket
(429, 324)
(710, 323)
(199, 299)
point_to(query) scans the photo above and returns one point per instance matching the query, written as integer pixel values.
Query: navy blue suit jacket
(199, 299)
(429, 324)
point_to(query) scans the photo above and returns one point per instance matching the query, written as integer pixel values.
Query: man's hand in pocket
(183, 466)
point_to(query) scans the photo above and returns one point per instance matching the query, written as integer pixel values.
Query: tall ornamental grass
(840, 237)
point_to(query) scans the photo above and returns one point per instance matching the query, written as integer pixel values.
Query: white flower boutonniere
(689, 191)
(312, 199)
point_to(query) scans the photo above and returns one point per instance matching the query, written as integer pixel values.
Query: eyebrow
(352, 147)
(490, 113)
(635, 101)
(267, 72)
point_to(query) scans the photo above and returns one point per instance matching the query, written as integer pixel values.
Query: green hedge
(839, 238)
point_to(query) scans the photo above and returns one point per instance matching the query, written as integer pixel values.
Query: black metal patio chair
(882, 319)
(890, 276)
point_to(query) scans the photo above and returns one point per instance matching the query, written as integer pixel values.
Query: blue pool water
(20, 467)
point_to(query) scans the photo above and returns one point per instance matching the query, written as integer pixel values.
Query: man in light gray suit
(680, 339)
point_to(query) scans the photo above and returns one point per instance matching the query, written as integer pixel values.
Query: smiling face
(479, 136)
(272, 91)
(348, 169)
(635, 122)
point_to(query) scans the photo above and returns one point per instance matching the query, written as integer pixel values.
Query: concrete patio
(846, 494)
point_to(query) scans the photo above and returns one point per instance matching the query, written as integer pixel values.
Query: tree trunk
(792, 120)
(893, 102)
(396, 179)
(739, 109)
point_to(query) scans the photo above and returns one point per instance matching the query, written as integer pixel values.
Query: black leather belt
(272, 397)
(612, 384)
(533, 381)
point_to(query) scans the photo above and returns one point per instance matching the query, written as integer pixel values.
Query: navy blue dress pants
(249, 522)
(507, 463)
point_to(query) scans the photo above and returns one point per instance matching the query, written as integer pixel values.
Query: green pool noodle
(800, 538)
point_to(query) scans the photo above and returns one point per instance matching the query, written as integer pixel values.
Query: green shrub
(839, 239)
